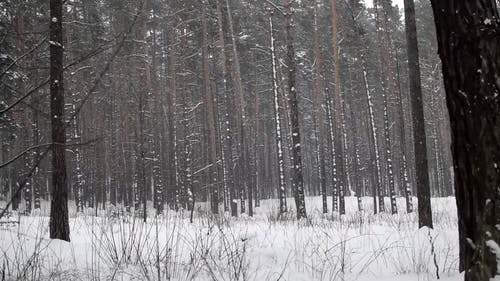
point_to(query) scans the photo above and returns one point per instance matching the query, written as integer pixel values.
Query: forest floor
(357, 246)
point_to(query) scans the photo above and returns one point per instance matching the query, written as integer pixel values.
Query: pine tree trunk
(469, 48)
(372, 129)
(333, 154)
(209, 103)
(277, 120)
(37, 183)
(239, 117)
(174, 116)
(318, 110)
(298, 179)
(258, 148)
(374, 139)
(227, 142)
(417, 106)
(59, 222)
(338, 113)
(386, 83)
(24, 120)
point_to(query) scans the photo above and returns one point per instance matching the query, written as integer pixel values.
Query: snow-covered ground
(357, 246)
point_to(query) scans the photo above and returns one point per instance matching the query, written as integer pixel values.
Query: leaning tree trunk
(59, 222)
(468, 34)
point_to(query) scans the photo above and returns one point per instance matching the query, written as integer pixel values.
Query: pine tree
(419, 138)
(59, 221)
(470, 71)
(298, 178)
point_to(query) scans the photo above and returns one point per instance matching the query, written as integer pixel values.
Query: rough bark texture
(468, 34)
(338, 111)
(59, 225)
(419, 139)
(209, 103)
(331, 148)
(383, 81)
(298, 178)
(319, 118)
(227, 149)
(277, 120)
(240, 142)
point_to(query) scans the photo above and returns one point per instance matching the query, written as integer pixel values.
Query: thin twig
(96, 83)
(24, 97)
(22, 56)
(5, 164)
(80, 60)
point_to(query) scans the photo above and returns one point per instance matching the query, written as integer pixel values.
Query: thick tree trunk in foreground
(59, 225)
(417, 110)
(468, 34)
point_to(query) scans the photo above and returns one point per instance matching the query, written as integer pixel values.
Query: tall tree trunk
(405, 182)
(373, 139)
(373, 135)
(386, 83)
(239, 103)
(318, 110)
(258, 147)
(338, 111)
(76, 181)
(174, 111)
(417, 106)
(227, 143)
(37, 181)
(277, 120)
(298, 179)
(469, 48)
(209, 103)
(332, 149)
(158, 134)
(23, 138)
(59, 222)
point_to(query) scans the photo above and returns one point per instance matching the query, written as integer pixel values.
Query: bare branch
(22, 56)
(2, 112)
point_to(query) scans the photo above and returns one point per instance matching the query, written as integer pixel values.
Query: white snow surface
(116, 246)
(495, 249)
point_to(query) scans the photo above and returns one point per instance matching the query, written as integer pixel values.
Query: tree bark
(227, 142)
(277, 120)
(240, 141)
(298, 178)
(59, 222)
(468, 34)
(209, 103)
(319, 100)
(338, 112)
(417, 106)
